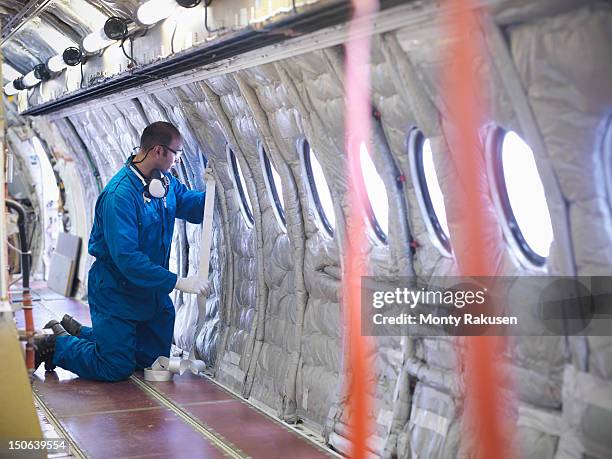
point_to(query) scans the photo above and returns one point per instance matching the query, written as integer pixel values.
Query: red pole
(29, 328)
(472, 239)
(357, 130)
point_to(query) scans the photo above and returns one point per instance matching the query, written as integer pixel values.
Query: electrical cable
(206, 15)
(173, 35)
(30, 96)
(132, 60)
(82, 77)
(207, 3)
(145, 157)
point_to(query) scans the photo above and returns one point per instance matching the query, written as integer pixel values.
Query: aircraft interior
(344, 148)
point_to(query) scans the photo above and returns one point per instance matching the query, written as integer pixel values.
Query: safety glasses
(177, 153)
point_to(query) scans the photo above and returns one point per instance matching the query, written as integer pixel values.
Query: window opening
(376, 194)
(521, 195)
(318, 188)
(428, 192)
(240, 186)
(274, 186)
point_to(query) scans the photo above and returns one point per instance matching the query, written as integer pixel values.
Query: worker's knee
(118, 372)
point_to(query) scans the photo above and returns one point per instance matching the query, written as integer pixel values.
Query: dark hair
(158, 133)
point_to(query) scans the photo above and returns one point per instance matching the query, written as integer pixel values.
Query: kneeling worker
(131, 313)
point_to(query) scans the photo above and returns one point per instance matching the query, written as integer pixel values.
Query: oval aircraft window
(428, 192)
(377, 194)
(274, 186)
(521, 195)
(318, 188)
(606, 148)
(239, 186)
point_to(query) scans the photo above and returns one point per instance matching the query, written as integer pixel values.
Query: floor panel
(189, 388)
(72, 395)
(122, 420)
(156, 433)
(253, 432)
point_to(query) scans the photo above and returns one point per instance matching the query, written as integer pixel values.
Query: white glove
(193, 284)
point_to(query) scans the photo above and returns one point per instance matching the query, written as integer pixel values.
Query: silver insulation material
(572, 125)
(79, 204)
(272, 328)
(27, 170)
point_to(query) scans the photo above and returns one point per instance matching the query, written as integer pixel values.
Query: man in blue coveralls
(129, 282)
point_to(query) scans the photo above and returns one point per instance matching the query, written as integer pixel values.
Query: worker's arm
(189, 203)
(121, 235)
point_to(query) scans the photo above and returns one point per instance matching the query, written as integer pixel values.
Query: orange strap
(358, 114)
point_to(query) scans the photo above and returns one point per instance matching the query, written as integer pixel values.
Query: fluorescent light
(9, 89)
(96, 41)
(56, 63)
(153, 11)
(30, 80)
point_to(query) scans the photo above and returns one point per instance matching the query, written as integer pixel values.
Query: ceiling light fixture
(153, 11)
(190, 3)
(115, 28)
(19, 84)
(41, 72)
(96, 41)
(30, 80)
(72, 56)
(56, 64)
(10, 89)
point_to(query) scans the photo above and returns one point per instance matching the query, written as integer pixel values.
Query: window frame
(519, 246)
(606, 152)
(369, 210)
(277, 203)
(241, 194)
(304, 151)
(438, 237)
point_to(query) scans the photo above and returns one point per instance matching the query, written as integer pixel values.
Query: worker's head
(162, 145)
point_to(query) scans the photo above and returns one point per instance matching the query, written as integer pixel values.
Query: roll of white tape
(164, 368)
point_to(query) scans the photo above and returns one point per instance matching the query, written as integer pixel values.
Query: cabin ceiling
(36, 39)
(74, 19)
(273, 327)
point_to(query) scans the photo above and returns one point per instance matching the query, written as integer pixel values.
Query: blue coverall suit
(129, 282)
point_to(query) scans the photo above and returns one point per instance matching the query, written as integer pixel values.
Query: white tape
(384, 417)
(157, 375)
(587, 387)
(164, 368)
(205, 245)
(547, 421)
(305, 399)
(209, 207)
(431, 421)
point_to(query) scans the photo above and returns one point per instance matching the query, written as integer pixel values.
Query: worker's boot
(71, 325)
(44, 347)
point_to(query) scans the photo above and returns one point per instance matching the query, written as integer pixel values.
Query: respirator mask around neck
(155, 187)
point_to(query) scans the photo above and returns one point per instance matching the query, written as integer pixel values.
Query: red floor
(120, 420)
